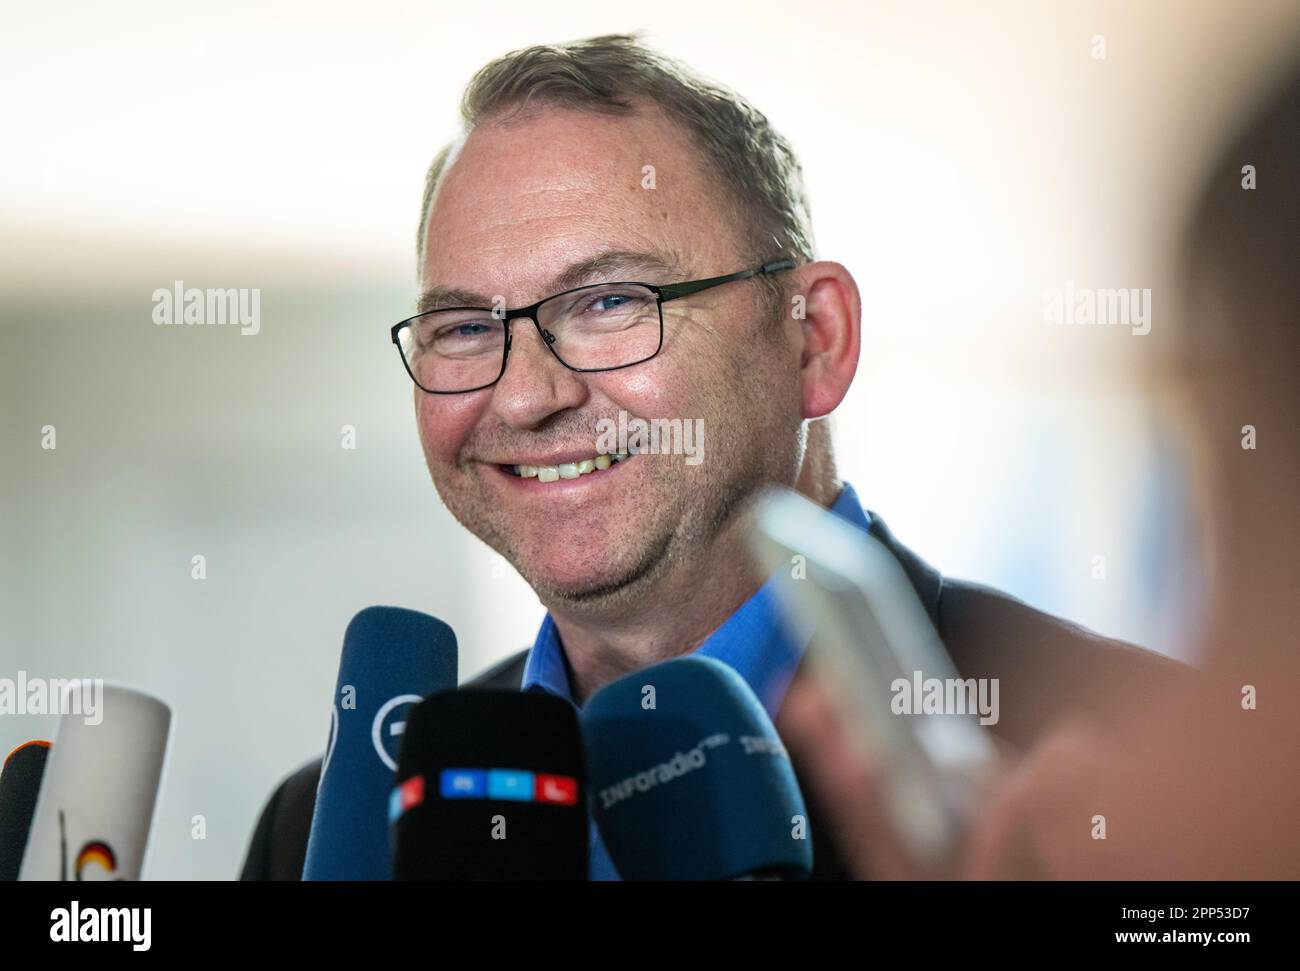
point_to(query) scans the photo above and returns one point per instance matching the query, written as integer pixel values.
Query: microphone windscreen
(689, 780)
(392, 658)
(100, 786)
(491, 786)
(20, 781)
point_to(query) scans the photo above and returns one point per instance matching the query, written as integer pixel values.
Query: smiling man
(613, 236)
(641, 560)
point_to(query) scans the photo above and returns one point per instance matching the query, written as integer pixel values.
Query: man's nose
(535, 384)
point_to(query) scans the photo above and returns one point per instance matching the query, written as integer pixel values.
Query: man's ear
(827, 310)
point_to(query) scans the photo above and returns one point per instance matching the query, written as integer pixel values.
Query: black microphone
(20, 783)
(491, 785)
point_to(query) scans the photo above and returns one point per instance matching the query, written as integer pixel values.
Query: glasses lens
(453, 350)
(606, 326)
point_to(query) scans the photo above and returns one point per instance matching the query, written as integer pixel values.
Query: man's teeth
(568, 470)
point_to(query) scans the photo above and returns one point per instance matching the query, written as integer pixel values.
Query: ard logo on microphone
(388, 727)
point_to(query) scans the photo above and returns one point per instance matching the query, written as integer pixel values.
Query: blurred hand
(846, 783)
(1038, 820)
(1036, 823)
(1188, 787)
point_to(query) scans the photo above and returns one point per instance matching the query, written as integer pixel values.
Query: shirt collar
(547, 668)
(752, 641)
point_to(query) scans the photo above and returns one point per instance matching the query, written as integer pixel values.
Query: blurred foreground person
(1202, 781)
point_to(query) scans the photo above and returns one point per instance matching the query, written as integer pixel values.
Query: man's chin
(592, 580)
(576, 587)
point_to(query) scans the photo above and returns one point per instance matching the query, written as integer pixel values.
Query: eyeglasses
(601, 327)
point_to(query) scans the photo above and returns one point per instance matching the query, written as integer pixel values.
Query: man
(597, 163)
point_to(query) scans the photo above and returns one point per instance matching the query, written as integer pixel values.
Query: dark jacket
(1047, 669)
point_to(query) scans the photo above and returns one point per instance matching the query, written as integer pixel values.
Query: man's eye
(472, 328)
(612, 302)
(459, 328)
(457, 332)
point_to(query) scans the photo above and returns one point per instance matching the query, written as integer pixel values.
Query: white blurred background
(961, 159)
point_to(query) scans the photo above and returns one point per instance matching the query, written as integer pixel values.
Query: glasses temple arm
(695, 286)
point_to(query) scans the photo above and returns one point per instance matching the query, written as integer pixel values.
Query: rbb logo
(388, 726)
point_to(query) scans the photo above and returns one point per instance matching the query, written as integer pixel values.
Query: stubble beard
(701, 508)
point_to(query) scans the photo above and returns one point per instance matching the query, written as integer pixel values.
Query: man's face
(522, 203)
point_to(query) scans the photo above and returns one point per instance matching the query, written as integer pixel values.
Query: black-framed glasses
(600, 327)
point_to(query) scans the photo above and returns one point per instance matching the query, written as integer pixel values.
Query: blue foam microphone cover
(689, 780)
(392, 658)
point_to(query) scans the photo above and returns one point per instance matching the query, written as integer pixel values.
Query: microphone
(689, 780)
(491, 786)
(392, 658)
(99, 790)
(20, 781)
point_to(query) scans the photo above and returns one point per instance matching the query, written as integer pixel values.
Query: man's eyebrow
(618, 266)
(615, 266)
(434, 297)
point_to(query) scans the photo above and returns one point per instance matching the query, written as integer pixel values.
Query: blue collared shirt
(752, 641)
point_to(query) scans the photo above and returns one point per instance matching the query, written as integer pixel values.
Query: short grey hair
(755, 165)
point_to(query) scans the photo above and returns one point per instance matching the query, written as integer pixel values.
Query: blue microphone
(689, 780)
(392, 658)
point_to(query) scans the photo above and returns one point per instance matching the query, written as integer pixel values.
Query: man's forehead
(531, 200)
(651, 265)
(599, 139)
(597, 157)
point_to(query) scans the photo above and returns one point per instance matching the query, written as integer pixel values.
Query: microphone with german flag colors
(99, 789)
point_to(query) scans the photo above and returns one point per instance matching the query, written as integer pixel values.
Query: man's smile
(566, 476)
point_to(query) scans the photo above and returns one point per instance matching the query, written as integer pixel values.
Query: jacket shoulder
(278, 848)
(1046, 668)
(507, 674)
